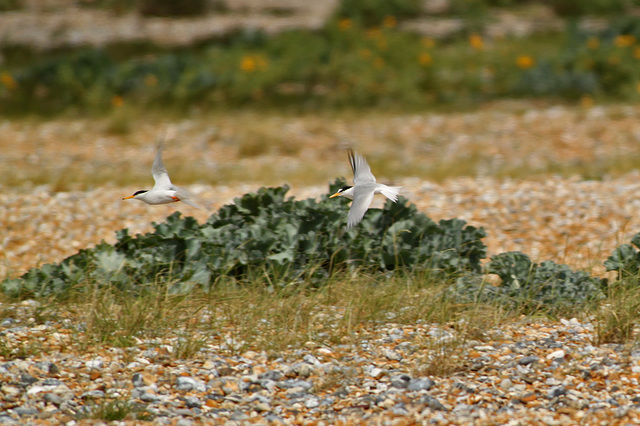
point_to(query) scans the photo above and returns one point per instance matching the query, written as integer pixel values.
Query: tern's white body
(363, 189)
(163, 192)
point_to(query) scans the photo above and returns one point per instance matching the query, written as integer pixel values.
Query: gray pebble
(27, 379)
(268, 385)
(312, 402)
(391, 355)
(94, 364)
(94, 394)
(193, 402)
(137, 380)
(51, 382)
(188, 383)
(47, 367)
(52, 398)
(399, 410)
(25, 411)
(149, 397)
(433, 403)
(400, 381)
(526, 360)
(287, 384)
(274, 375)
(310, 359)
(556, 391)
(420, 384)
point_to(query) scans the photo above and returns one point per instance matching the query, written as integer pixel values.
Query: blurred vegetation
(361, 58)
(6, 5)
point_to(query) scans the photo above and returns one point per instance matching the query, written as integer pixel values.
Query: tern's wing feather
(159, 172)
(362, 198)
(361, 170)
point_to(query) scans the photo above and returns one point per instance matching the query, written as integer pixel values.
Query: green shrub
(265, 234)
(172, 8)
(625, 259)
(345, 64)
(531, 287)
(7, 5)
(574, 8)
(373, 12)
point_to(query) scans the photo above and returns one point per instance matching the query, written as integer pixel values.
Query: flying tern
(363, 189)
(163, 192)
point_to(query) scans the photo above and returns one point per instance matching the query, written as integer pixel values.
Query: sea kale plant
(625, 259)
(265, 235)
(531, 287)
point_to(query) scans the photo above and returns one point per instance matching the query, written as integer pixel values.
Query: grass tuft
(115, 410)
(617, 318)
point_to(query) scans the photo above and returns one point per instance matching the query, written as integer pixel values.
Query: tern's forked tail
(391, 192)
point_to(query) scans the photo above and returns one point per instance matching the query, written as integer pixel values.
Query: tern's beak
(129, 197)
(335, 195)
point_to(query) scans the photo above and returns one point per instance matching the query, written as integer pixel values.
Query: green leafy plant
(374, 12)
(587, 7)
(548, 287)
(265, 234)
(625, 259)
(172, 8)
(6, 5)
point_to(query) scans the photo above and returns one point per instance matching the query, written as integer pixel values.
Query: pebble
(529, 389)
(528, 360)
(376, 379)
(188, 383)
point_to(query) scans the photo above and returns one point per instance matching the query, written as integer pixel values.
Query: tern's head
(136, 194)
(345, 191)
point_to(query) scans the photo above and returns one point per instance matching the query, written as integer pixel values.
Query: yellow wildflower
(251, 63)
(117, 101)
(614, 59)
(476, 41)
(8, 81)
(525, 62)
(248, 64)
(378, 63)
(636, 53)
(345, 24)
(593, 43)
(424, 59)
(389, 22)
(624, 40)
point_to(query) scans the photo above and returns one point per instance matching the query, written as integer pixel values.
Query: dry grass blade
(617, 318)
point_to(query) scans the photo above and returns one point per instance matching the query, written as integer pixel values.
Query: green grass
(259, 317)
(236, 318)
(616, 319)
(115, 410)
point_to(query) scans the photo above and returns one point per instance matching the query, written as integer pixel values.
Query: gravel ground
(526, 373)
(529, 373)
